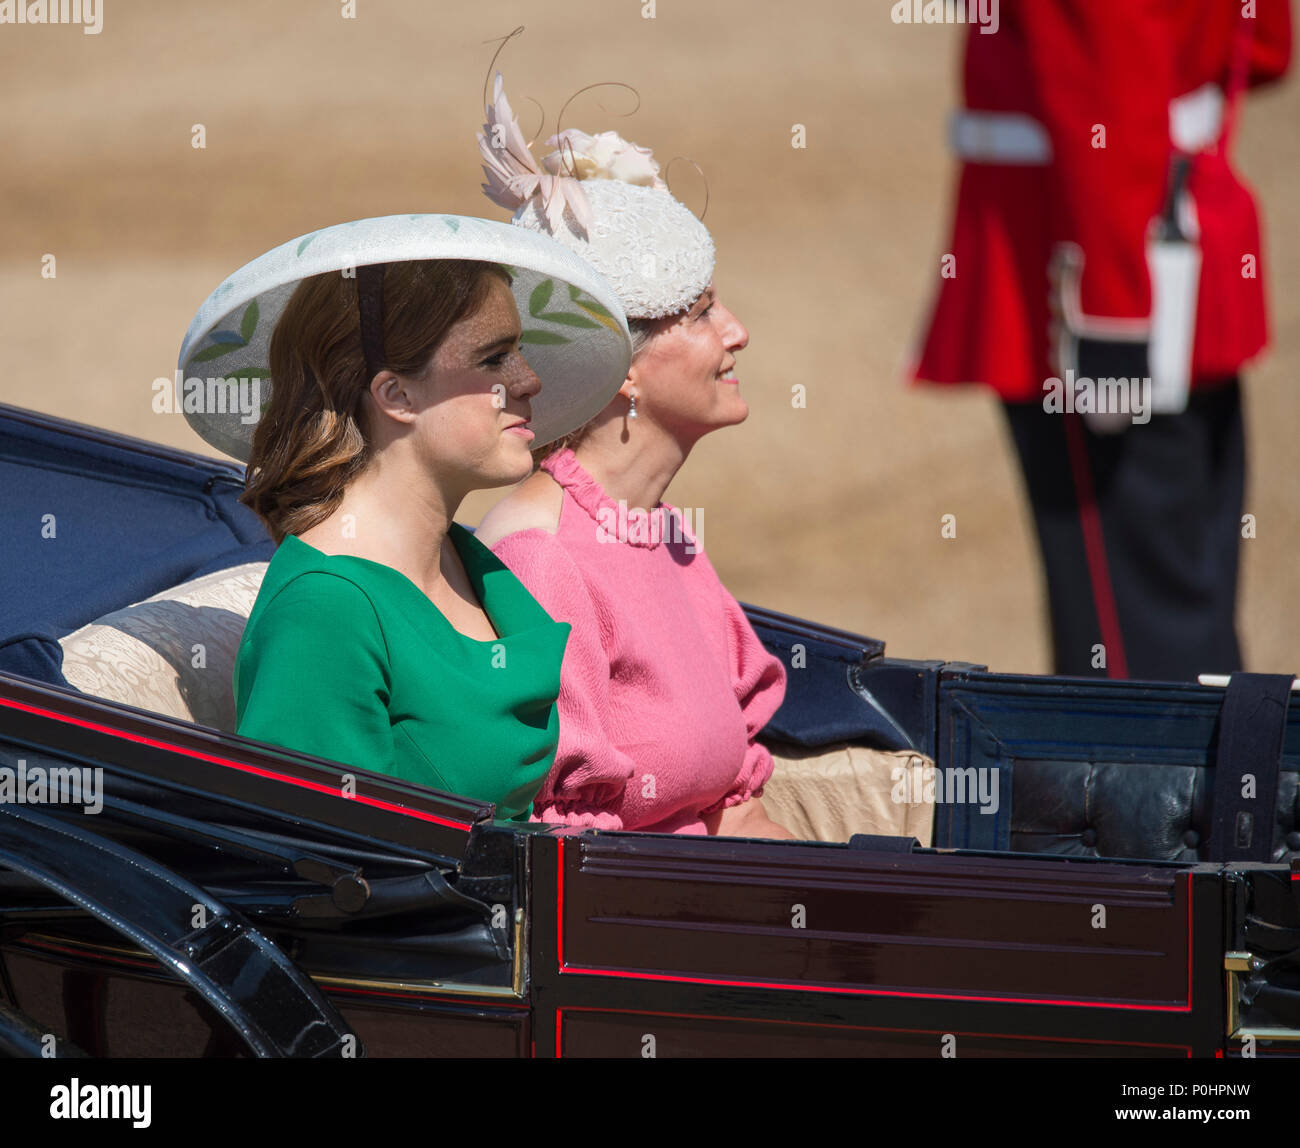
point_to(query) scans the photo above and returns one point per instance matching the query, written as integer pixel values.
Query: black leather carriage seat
(1153, 812)
(1101, 768)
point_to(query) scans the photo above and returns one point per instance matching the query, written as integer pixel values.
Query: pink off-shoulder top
(664, 685)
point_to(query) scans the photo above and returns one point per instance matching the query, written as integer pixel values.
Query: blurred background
(829, 254)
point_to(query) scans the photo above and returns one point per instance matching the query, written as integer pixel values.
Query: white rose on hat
(606, 155)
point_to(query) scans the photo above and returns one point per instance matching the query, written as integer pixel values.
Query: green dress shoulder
(348, 659)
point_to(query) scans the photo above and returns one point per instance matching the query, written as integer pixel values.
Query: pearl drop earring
(631, 410)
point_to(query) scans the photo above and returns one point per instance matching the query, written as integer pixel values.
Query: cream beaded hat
(601, 197)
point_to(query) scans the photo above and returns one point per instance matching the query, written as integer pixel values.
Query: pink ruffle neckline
(622, 523)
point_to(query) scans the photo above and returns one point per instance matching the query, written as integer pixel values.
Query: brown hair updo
(311, 440)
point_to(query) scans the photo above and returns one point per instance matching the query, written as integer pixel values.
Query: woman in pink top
(664, 685)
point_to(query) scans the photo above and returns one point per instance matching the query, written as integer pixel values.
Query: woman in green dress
(385, 636)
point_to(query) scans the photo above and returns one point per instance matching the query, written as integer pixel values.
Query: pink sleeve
(588, 780)
(759, 682)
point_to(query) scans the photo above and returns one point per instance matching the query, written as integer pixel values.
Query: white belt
(999, 137)
(1195, 121)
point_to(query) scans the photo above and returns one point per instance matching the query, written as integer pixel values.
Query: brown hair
(311, 441)
(641, 330)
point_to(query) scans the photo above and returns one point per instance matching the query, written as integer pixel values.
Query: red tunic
(1073, 65)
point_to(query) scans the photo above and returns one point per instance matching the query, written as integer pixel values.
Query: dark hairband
(370, 306)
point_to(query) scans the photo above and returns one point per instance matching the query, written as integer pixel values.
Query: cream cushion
(174, 653)
(833, 792)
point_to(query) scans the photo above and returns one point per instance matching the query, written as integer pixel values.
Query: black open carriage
(232, 898)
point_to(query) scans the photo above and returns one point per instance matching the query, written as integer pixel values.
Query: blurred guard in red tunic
(1101, 233)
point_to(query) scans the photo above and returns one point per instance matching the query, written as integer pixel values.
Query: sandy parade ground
(828, 253)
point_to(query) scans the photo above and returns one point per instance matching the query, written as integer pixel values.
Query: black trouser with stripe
(1139, 533)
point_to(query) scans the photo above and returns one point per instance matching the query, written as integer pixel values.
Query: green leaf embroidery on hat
(306, 239)
(540, 297)
(601, 316)
(215, 352)
(547, 337)
(567, 319)
(223, 342)
(454, 224)
(249, 323)
(592, 307)
(597, 311)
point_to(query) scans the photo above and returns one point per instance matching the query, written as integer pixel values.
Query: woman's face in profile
(478, 393)
(686, 373)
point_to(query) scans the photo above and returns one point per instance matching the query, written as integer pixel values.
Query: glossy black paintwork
(275, 1009)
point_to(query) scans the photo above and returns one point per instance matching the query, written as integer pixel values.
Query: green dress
(348, 659)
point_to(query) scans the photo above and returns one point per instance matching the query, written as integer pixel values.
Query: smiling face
(474, 400)
(684, 378)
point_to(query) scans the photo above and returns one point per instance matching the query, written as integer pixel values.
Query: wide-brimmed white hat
(575, 334)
